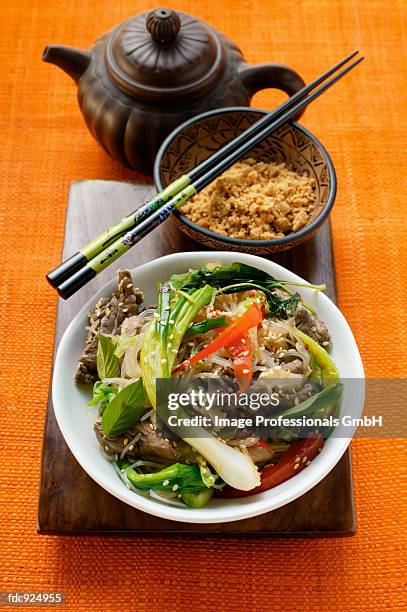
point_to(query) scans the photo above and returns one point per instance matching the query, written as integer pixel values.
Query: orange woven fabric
(45, 145)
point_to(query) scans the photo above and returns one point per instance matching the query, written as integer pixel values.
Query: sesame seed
(297, 460)
(163, 360)
(131, 447)
(166, 482)
(130, 285)
(174, 351)
(171, 321)
(171, 337)
(125, 441)
(106, 447)
(175, 487)
(325, 343)
(304, 459)
(296, 466)
(245, 371)
(125, 309)
(319, 450)
(243, 341)
(308, 462)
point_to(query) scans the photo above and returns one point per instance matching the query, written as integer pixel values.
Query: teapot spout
(73, 61)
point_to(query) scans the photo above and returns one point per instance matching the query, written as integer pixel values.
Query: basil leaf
(124, 409)
(106, 361)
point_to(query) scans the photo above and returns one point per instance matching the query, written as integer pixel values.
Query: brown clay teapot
(155, 71)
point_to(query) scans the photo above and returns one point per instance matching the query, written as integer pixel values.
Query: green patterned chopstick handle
(122, 244)
(98, 244)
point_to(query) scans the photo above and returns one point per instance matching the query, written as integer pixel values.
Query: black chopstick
(96, 246)
(124, 243)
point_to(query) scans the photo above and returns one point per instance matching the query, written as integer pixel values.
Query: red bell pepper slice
(251, 318)
(242, 354)
(292, 462)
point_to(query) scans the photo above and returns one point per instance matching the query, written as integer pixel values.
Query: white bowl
(76, 422)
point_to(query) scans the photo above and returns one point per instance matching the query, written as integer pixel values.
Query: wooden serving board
(70, 502)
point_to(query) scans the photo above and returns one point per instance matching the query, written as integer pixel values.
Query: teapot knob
(163, 25)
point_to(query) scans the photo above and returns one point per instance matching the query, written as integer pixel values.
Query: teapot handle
(270, 75)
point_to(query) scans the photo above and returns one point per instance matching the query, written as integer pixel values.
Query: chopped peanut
(254, 200)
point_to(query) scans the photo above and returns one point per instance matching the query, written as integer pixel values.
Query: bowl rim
(294, 236)
(253, 506)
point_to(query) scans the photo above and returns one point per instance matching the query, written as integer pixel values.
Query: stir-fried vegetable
(103, 393)
(164, 335)
(234, 332)
(242, 353)
(122, 343)
(320, 401)
(241, 277)
(178, 477)
(197, 500)
(321, 357)
(299, 455)
(233, 466)
(204, 327)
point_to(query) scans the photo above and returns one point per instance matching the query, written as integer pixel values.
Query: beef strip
(148, 445)
(312, 326)
(296, 366)
(288, 395)
(307, 322)
(106, 318)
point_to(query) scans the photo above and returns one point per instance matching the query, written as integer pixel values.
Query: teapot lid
(164, 53)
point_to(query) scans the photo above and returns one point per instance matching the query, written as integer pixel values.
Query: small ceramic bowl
(198, 138)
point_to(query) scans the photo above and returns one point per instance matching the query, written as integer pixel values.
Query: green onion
(204, 326)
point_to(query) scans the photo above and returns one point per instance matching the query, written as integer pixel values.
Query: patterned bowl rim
(239, 241)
